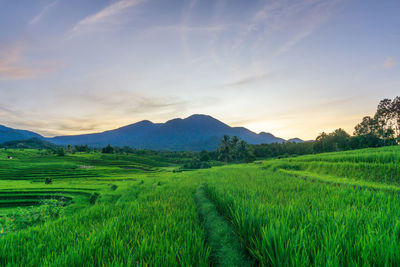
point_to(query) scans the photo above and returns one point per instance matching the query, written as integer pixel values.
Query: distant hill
(295, 140)
(32, 143)
(196, 132)
(10, 134)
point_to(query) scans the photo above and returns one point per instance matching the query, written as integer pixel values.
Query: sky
(294, 68)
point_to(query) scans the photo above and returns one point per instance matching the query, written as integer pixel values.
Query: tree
(204, 156)
(338, 140)
(396, 116)
(108, 149)
(368, 126)
(234, 149)
(82, 148)
(234, 145)
(60, 152)
(225, 149)
(384, 127)
(243, 152)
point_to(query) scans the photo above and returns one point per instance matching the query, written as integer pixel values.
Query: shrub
(23, 218)
(93, 198)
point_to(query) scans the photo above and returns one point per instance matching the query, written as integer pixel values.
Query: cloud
(122, 103)
(186, 29)
(306, 17)
(248, 80)
(389, 63)
(81, 113)
(43, 12)
(13, 68)
(109, 12)
(286, 21)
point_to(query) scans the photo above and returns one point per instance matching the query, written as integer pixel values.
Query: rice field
(332, 209)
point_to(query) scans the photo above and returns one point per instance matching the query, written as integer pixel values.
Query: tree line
(382, 129)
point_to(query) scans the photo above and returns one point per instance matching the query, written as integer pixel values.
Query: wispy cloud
(187, 29)
(318, 12)
(12, 66)
(389, 63)
(248, 80)
(286, 21)
(91, 112)
(187, 12)
(103, 16)
(43, 12)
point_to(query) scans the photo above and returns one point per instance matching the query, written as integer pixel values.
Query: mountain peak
(295, 140)
(200, 116)
(196, 132)
(144, 122)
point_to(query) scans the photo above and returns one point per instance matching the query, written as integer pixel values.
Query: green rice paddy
(332, 209)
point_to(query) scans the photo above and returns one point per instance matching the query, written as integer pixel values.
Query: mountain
(10, 134)
(295, 140)
(196, 132)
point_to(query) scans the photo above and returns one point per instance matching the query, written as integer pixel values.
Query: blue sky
(292, 68)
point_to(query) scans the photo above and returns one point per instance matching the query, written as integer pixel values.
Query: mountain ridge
(11, 134)
(196, 132)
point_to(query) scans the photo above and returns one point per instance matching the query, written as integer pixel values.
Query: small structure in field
(86, 167)
(9, 157)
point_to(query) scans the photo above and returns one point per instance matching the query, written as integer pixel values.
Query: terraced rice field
(74, 177)
(373, 167)
(333, 209)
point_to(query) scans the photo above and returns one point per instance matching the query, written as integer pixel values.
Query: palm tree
(243, 150)
(225, 149)
(234, 147)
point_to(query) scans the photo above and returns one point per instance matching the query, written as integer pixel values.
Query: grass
(226, 248)
(375, 165)
(291, 222)
(145, 224)
(332, 209)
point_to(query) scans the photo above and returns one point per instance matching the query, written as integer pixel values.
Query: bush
(61, 152)
(23, 218)
(107, 150)
(93, 198)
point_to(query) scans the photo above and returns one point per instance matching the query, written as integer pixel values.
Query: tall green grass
(148, 225)
(145, 215)
(376, 165)
(284, 221)
(226, 250)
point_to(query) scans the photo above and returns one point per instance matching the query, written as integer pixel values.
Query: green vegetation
(367, 165)
(125, 210)
(32, 143)
(234, 150)
(383, 129)
(226, 248)
(122, 209)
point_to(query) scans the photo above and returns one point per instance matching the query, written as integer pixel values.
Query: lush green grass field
(333, 209)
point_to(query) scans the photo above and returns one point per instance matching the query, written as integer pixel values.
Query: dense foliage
(32, 143)
(383, 129)
(234, 150)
